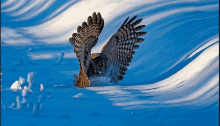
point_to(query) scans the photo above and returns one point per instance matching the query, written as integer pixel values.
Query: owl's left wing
(120, 48)
(83, 41)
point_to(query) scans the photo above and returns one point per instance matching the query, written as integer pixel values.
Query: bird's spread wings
(83, 41)
(120, 48)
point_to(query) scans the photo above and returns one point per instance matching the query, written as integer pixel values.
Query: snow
(16, 86)
(18, 103)
(12, 105)
(79, 95)
(173, 79)
(21, 80)
(24, 91)
(41, 87)
(30, 79)
(59, 61)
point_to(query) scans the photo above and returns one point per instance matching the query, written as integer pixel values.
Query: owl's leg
(82, 80)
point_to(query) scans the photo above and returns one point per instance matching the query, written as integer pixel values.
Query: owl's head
(98, 65)
(101, 66)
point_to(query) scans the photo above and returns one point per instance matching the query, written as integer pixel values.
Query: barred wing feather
(83, 41)
(120, 48)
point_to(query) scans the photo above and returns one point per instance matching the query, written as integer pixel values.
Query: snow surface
(173, 79)
(16, 86)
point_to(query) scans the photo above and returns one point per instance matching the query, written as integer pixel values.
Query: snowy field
(173, 79)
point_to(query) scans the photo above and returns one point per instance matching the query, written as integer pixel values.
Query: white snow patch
(59, 9)
(41, 87)
(62, 23)
(149, 20)
(69, 55)
(23, 101)
(42, 56)
(12, 37)
(30, 49)
(43, 6)
(7, 3)
(205, 46)
(99, 80)
(12, 105)
(59, 61)
(16, 86)
(28, 11)
(79, 95)
(18, 103)
(24, 91)
(28, 7)
(14, 7)
(30, 79)
(9, 33)
(113, 92)
(21, 80)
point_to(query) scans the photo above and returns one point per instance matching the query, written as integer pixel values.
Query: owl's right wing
(120, 48)
(83, 41)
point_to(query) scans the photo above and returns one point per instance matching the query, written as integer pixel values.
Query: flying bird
(115, 55)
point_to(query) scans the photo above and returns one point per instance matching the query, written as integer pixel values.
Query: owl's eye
(101, 64)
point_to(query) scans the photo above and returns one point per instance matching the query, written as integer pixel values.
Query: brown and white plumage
(116, 54)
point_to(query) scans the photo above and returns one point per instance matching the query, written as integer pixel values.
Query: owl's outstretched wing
(83, 41)
(120, 48)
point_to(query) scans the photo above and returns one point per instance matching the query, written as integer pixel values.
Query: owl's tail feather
(82, 80)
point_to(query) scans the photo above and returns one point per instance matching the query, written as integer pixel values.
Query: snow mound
(79, 95)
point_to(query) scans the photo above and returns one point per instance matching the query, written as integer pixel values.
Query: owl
(115, 55)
